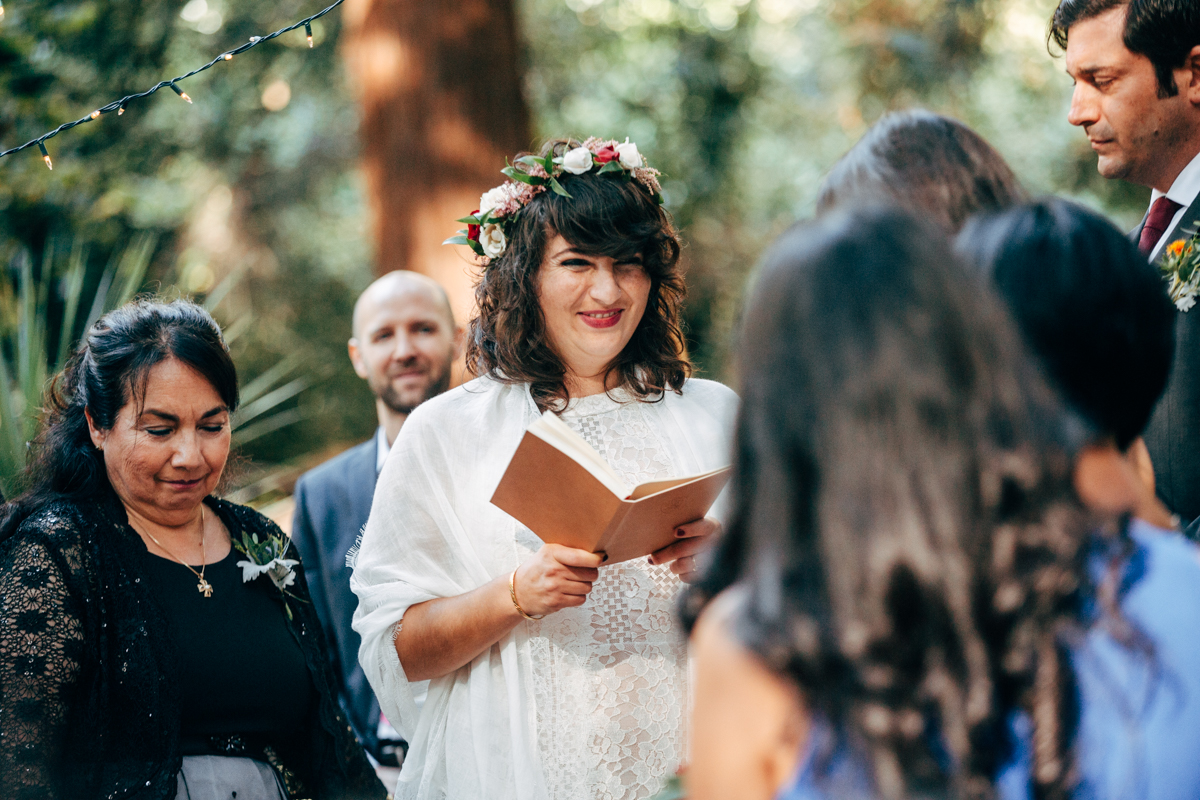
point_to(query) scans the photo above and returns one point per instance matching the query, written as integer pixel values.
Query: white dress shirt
(1184, 191)
(382, 448)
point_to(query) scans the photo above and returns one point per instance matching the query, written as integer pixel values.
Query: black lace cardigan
(88, 708)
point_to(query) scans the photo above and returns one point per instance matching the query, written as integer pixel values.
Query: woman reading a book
(551, 674)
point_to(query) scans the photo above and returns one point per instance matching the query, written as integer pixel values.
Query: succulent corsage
(1178, 266)
(488, 229)
(266, 557)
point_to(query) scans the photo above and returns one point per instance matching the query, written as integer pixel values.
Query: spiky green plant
(28, 358)
(29, 355)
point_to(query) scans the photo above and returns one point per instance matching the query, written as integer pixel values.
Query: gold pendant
(205, 587)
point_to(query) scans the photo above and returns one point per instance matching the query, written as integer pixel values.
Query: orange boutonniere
(1180, 268)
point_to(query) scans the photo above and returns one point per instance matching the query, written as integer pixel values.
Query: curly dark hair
(904, 526)
(606, 215)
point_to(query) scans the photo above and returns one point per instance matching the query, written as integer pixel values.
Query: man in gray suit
(404, 342)
(1136, 67)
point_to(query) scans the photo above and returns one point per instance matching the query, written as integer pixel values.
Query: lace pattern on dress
(610, 677)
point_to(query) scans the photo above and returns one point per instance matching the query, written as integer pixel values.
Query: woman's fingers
(698, 528)
(681, 548)
(692, 538)
(573, 557)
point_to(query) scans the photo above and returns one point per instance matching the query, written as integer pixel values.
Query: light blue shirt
(1139, 726)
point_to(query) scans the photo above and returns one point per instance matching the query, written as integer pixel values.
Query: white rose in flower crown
(577, 161)
(630, 157)
(493, 198)
(493, 241)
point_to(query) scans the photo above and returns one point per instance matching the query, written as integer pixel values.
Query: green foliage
(29, 352)
(743, 105)
(222, 187)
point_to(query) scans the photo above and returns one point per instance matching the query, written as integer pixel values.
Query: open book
(559, 487)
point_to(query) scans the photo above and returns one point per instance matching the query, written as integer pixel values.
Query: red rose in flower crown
(606, 154)
(489, 227)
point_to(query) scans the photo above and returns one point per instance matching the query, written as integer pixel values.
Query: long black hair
(904, 520)
(107, 370)
(1087, 306)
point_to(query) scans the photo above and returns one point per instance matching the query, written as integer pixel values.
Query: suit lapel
(362, 478)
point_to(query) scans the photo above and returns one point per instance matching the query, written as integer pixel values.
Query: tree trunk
(440, 89)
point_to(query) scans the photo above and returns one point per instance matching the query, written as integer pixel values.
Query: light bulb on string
(180, 92)
(308, 32)
(45, 155)
(120, 110)
(1, 10)
(95, 114)
(227, 56)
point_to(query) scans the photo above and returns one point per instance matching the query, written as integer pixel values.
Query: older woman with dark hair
(532, 694)
(933, 165)
(138, 655)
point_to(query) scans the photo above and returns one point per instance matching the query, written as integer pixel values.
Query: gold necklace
(204, 587)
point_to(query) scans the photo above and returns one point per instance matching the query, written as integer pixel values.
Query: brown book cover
(584, 505)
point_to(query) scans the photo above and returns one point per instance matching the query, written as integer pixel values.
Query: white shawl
(433, 533)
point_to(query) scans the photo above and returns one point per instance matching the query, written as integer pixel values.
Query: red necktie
(1161, 214)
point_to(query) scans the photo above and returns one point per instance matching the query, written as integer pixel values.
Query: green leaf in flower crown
(530, 161)
(471, 220)
(611, 166)
(461, 238)
(517, 175)
(548, 164)
(558, 189)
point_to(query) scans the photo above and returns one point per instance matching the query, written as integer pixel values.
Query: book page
(552, 430)
(654, 487)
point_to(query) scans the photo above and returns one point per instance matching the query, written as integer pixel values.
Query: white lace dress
(587, 704)
(610, 677)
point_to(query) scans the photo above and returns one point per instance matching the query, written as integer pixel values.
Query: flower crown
(488, 229)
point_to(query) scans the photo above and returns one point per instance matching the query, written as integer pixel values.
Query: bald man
(404, 340)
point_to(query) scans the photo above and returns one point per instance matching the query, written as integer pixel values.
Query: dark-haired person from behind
(142, 653)
(907, 602)
(1096, 318)
(933, 165)
(1103, 330)
(1136, 69)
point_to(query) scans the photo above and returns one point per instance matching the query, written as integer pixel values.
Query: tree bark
(439, 83)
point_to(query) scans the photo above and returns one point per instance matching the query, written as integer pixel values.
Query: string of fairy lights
(119, 105)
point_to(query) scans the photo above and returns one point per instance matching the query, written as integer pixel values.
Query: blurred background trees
(299, 174)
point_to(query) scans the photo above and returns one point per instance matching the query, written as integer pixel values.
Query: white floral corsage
(267, 558)
(1179, 268)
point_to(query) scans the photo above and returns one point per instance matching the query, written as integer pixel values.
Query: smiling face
(405, 341)
(591, 306)
(1137, 135)
(167, 449)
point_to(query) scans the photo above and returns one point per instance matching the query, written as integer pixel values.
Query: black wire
(117, 104)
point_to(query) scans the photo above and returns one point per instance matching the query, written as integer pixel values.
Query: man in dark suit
(404, 342)
(1136, 67)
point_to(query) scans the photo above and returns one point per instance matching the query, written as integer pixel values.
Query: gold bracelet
(512, 592)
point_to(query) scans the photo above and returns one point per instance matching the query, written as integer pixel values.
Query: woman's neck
(586, 385)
